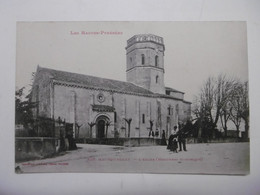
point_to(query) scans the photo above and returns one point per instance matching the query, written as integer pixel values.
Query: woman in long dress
(173, 141)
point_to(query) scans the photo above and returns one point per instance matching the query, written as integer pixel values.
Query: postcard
(132, 97)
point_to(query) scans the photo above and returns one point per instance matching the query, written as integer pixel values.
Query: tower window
(177, 109)
(156, 60)
(169, 110)
(143, 59)
(115, 115)
(156, 79)
(143, 118)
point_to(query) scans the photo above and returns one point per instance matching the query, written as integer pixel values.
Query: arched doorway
(101, 126)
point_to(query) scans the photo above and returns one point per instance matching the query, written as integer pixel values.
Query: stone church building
(106, 108)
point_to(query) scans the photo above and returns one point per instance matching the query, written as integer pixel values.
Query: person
(151, 133)
(182, 139)
(163, 141)
(173, 144)
(175, 139)
(72, 143)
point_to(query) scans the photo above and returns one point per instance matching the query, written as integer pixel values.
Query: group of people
(177, 136)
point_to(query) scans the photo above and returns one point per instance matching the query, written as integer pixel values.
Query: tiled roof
(103, 108)
(95, 82)
(173, 90)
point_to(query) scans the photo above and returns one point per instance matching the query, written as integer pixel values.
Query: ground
(218, 158)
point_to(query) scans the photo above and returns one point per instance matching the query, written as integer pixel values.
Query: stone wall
(30, 148)
(41, 93)
(136, 142)
(75, 105)
(178, 95)
(132, 142)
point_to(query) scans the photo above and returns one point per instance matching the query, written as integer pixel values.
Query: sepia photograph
(132, 97)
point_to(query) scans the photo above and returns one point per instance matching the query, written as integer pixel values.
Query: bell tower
(145, 63)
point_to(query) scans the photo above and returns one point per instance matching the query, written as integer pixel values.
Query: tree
(236, 109)
(212, 104)
(128, 121)
(245, 107)
(107, 124)
(151, 127)
(208, 107)
(23, 108)
(225, 117)
(92, 124)
(240, 106)
(77, 130)
(225, 90)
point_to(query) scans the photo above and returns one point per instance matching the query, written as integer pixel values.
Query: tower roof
(145, 38)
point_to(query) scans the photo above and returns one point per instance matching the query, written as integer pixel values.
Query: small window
(143, 59)
(143, 118)
(156, 60)
(156, 79)
(101, 97)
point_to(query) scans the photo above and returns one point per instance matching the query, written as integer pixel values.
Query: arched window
(156, 60)
(157, 79)
(169, 110)
(143, 59)
(131, 62)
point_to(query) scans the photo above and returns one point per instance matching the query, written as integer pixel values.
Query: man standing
(163, 140)
(182, 138)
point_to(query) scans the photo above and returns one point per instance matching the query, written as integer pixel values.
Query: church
(104, 108)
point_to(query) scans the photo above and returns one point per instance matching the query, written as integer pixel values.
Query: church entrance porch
(101, 127)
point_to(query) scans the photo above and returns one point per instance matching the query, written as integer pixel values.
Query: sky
(193, 50)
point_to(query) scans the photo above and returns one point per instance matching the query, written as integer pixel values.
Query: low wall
(150, 141)
(121, 141)
(30, 148)
(220, 140)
